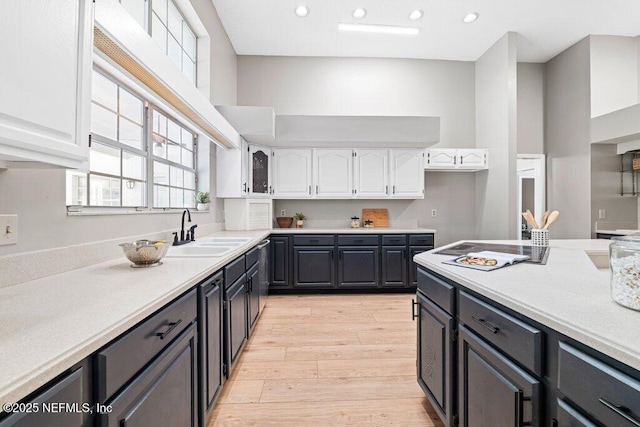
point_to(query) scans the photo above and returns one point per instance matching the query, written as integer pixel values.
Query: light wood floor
(327, 360)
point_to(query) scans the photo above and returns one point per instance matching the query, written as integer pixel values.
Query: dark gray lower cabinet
(235, 320)
(280, 262)
(435, 357)
(570, 417)
(358, 267)
(394, 266)
(210, 340)
(493, 391)
(313, 267)
(68, 390)
(253, 297)
(413, 267)
(165, 392)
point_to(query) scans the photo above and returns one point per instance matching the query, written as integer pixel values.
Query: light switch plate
(8, 229)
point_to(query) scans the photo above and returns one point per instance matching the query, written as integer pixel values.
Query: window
(174, 174)
(165, 23)
(119, 158)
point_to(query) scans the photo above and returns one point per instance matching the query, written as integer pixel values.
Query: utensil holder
(539, 237)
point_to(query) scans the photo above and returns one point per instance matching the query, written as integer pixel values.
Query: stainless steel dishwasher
(264, 272)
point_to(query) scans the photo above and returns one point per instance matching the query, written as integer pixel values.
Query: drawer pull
(172, 326)
(486, 324)
(314, 240)
(623, 411)
(358, 240)
(414, 316)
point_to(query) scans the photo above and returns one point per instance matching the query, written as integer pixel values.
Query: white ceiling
(545, 27)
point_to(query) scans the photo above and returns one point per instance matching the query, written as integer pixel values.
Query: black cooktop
(537, 254)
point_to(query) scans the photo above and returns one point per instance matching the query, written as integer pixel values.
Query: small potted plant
(202, 200)
(299, 217)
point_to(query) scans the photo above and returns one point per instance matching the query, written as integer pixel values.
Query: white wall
(361, 86)
(567, 143)
(496, 129)
(38, 195)
(614, 73)
(530, 108)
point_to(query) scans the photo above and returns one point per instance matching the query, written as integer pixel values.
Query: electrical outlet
(283, 212)
(602, 214)
(8, 229)
(434, 213)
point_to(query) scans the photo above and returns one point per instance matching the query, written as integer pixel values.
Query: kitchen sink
(208, 247)
(231, 241)
(193, 250)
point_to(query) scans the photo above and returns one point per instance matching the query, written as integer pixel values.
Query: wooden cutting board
(380, 217)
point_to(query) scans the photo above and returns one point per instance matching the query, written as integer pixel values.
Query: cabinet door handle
(309, 190)
(461, 159)
(386, 189)
(394, 189)
(316, 189)
(486, 324)
(623, 411)
(455, 160)
(244, 187)
(172, 326)
(414, 316)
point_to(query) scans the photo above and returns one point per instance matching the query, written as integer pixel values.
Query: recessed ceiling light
(471, 17)
(416, 14)
(359, 13)
(302, 11)
(385, 29)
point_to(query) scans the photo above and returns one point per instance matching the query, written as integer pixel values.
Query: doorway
(531, 190)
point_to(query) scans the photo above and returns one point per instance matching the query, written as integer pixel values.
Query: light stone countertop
(619, 232)
(568, 294)
(48, 325)
(348, 230)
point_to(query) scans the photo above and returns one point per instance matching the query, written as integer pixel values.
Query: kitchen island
(532, 343)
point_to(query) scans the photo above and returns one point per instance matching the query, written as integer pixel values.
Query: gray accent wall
(567, 141)
(37, 196)
(376, 86)
(530, 108)
(496, 130)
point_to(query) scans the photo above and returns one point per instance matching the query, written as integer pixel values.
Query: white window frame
(201, 149)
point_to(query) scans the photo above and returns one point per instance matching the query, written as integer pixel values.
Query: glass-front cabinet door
(259, 159)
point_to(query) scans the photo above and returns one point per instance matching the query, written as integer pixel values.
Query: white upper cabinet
(232, 171)
(457, 159)
(244, 172)
(333, 172)
(259, 171)
(472, 159)
(291, 173)
(45, 81)
(407, 173)
(371, 173)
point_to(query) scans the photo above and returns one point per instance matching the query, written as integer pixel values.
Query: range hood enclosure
(370, 131)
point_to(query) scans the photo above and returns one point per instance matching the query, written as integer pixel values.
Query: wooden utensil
(533, 220)
(526, 218)
(544, 217)
(552, 217)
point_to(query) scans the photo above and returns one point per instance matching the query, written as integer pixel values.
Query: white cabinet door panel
(407, 173)
(333, 172)
(445, 158)
(371, 170)
(291, 173)
(45, 80)
(472, 158)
